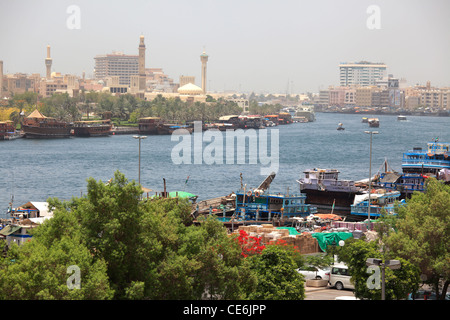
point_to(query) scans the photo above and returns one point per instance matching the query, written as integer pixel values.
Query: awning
(6, 231)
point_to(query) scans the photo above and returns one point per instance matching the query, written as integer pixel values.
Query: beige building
(20, 83)
(363, 96)
(186, 79)
(116, 64)
(435, 98)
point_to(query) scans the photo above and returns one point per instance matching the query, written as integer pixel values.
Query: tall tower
(204, 60)
(1, 78)
(141, 66)
(48, 63)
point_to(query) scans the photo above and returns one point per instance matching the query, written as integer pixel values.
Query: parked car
(425, 295)
(310, 272)
(340, 277)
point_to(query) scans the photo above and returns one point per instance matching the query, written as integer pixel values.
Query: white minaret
(1, 78)
(204, 60)
(141, 64)
(48, 63)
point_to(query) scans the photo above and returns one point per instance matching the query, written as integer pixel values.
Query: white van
(340, 277)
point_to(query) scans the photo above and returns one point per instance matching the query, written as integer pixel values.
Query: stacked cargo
(270, 234)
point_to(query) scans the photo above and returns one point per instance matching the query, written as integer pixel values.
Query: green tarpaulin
(181, 194)
(330, 238)
(292, 230)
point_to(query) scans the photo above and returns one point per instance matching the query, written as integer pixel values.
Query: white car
(314, 273)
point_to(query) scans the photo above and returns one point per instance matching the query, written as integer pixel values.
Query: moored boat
(93, 128)
(8, 131)
(148, 125)
(36, 125)
(324, 190)
(381, 202)
(264, 206)
(417, 166)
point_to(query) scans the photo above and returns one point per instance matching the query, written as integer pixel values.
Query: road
(326, 293)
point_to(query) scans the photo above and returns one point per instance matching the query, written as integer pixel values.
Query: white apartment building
(361, 73)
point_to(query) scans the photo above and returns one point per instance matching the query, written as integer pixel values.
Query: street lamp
(392, 264)
(140, 138)
(370, 175)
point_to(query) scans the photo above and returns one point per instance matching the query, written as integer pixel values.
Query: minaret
(204, 60)
(48, 63)
(1, 78)
(141, 64)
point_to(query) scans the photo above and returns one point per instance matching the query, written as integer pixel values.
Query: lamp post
(392, 264)
(139, 138)
(370, 175)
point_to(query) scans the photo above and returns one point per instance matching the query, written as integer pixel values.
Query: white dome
(190, 88)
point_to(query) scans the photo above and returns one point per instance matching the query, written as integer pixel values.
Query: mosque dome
(190, 89)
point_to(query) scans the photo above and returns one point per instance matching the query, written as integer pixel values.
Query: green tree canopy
(422, 234)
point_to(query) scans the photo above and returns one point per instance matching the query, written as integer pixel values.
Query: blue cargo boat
(381, 202)
(417, 166)
(265, 206)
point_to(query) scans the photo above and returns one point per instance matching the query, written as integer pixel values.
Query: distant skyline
(256, 46)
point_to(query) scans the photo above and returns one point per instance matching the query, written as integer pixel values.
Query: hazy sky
(253, 45)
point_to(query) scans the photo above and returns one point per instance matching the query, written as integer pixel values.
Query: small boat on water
(365, 120)
(401, 118)
(340, 126)
(38, 126)
(93, 128)
(374, 122)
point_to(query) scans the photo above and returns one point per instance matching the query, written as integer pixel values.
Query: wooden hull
(98, 131)
(48, 132)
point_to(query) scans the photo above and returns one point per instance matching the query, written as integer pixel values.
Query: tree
(276, 275)
(39, 268)
(151, 248)
(399, 283)
(422, 234)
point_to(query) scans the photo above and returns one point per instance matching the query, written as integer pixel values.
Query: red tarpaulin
(328, 216)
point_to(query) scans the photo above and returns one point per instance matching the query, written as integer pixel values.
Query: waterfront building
(20, 83)
(361, 73)
(116, 64)
(158, 81)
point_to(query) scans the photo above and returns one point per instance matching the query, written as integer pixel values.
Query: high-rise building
(361, 73)
(204, 60)
(48, 64)
(116, 64)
